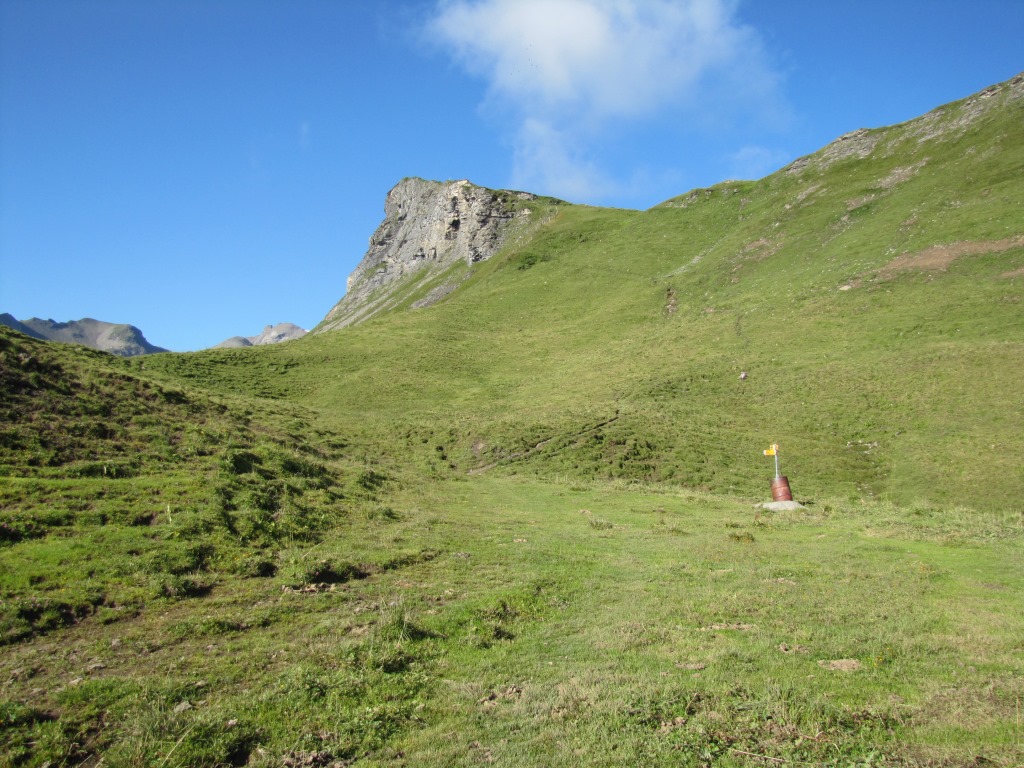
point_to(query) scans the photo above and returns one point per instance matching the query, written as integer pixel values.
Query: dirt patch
(857, 202)
(899, 175)
(840, 665)
(787, 648)
(763, 248)
(939, 257)
(719, 627)
(1019, 272)
(481, 752)
(667, 726)
(492, 698)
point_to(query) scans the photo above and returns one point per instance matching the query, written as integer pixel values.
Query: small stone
(183, 706)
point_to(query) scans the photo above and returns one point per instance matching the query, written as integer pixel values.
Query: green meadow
(519, 527)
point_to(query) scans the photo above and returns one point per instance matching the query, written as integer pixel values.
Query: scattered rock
(183, 706)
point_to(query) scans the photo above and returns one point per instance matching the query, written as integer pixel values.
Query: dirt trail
(533, 449)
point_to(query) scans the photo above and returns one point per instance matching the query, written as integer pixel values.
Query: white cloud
(610, 57)
(544, 160)
(567, 69)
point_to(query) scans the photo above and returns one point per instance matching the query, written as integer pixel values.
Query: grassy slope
(515, 528)
(903, 386)
(522, 623)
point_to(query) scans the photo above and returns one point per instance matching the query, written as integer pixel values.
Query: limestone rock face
(427, 227)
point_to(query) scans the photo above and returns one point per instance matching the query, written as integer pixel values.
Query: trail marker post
(780, 484)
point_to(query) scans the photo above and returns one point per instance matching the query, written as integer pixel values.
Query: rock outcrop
(272, 334)
(428, 227)
(116, 338)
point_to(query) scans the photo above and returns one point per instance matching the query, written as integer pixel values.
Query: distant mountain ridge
(272, 334)
(118, 339)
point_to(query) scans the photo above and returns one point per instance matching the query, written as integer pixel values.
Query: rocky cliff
(428, 227)
(116, 338)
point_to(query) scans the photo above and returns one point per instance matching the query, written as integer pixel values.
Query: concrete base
(780, 506)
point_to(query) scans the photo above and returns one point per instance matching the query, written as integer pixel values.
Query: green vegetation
(518, 528)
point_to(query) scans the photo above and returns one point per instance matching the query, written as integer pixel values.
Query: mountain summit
(272, 334)
(430, 228)
(116, 338)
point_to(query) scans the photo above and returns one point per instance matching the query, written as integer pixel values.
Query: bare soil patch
(939, 257)
(840, 665)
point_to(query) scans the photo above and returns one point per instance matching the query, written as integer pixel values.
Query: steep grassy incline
(872, 292)
(117, 492)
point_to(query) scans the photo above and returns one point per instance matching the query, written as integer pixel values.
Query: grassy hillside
(872, 292)
(516, 528)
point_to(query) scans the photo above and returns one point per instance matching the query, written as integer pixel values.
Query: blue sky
(202, 168)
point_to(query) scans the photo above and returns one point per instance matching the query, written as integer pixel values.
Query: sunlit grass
(518, 527)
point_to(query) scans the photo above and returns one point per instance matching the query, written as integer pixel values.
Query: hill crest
(118, 339)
